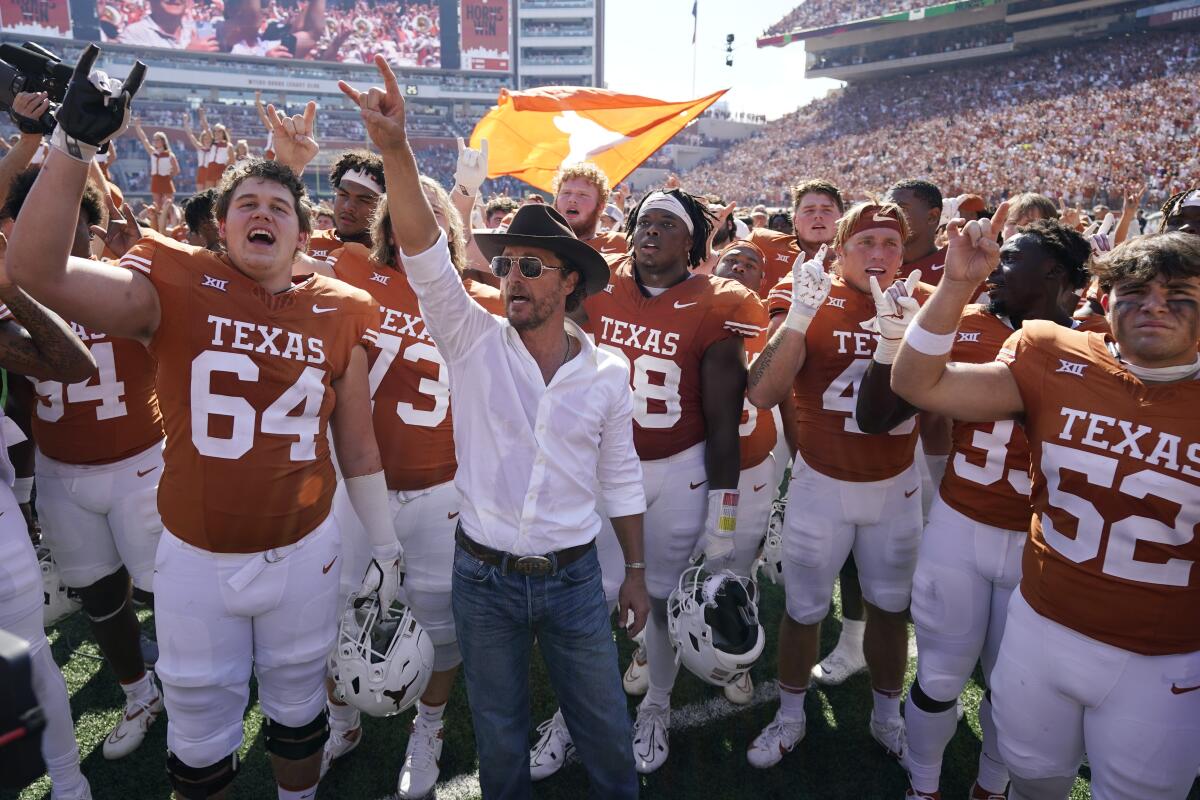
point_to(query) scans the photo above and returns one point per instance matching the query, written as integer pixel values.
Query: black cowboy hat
(541, 226)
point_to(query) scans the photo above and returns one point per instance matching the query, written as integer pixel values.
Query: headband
(743, 244)
(362, 178)
(665, 202)
(875, 216)
(1191, 199)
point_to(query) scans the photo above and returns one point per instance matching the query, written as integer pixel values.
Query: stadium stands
(820, 13)
(1083, 122)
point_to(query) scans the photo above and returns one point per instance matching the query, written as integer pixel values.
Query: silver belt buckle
(532, 566)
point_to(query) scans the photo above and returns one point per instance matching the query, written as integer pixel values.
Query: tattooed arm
(772, 373)
(42, 346)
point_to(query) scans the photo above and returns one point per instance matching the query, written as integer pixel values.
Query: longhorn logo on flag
(531, 134)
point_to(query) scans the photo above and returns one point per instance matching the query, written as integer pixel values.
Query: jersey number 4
(842, 397)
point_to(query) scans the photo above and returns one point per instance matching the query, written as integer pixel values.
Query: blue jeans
(497, 618)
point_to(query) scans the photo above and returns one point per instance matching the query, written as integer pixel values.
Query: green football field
(838, 758)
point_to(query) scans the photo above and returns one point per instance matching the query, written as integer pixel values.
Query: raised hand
(810, 287)
(1099, 235)
(292, 136)
(96, 108)
(972, 251)
(472, 167)
(382, 109)
(895, 309)
(29, 113)
(122, 232)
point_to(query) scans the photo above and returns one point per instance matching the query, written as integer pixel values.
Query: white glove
(720, 524)
(810, 287)
(384, 576)
(471, 169)
(895, 309)
(1101, 238)
(950, 208)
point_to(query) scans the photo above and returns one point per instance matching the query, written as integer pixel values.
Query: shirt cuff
(624, 501)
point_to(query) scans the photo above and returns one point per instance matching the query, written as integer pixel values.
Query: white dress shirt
(533, 459)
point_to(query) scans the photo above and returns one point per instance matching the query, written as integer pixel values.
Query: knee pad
(446, 656)
(105, 598)
(927, 703)
(200, 783)
(296, 744)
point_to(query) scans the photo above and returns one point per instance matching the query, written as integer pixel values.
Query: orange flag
(531, 134)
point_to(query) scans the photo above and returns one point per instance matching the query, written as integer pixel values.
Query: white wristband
(931, 344)
(797, 320)
(885, 350)
(23, 489)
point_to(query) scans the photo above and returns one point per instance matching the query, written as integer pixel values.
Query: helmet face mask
(770, 563)
(58, 601)
(383, 661)
(712, 622)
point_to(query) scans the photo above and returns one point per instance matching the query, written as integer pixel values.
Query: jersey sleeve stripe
(131, 264)
(741, 327)
(133, 257)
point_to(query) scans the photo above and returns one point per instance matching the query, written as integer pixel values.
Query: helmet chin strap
(1178, 372)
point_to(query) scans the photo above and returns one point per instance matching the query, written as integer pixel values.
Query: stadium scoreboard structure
(937, 35)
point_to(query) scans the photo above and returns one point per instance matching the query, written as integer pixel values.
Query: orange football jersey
(111, 416)
(409, 381)
(245, 384)
(757, 430)
(608, 243)
(932, 267)
(663, 339)
(1116, 493)
(780, 249)
(322, 243)
(838, 352)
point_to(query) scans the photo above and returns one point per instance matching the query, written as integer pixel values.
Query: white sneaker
(420, 771)
(741, 691)
(553, 750)
(637, 674)
(775, 741)
(650, 747)
(843, 662)
(339, 744)
(128, 734)
(890, 735)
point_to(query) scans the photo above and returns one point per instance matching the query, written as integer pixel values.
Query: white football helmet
(770, 562)
(382, 662)
(58, 602)
(712, 621)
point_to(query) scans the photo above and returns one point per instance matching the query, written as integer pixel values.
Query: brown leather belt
(530, 566)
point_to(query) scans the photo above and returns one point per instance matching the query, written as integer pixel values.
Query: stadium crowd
(821, 13)
(1080, 123)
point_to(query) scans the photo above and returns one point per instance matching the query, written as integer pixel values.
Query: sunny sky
(648, 51)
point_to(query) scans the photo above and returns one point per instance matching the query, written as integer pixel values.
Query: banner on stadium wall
(36, 17)
(485, 34)
(531, 134)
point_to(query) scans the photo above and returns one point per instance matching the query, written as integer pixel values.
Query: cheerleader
(203, 146)
(222, 154)
(163, 169)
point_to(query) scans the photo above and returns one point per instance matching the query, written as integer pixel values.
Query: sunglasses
(530, 266)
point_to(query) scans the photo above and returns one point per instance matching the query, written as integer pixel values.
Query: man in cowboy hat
(543, 430)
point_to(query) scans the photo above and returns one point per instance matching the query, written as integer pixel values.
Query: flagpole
(695, 26)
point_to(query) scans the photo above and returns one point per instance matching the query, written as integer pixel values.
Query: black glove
(95, 108)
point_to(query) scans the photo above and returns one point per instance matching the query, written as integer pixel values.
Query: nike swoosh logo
(452, 515)
(144, 472)
(910, 494)
(683, 305)
(698, 485)
(884, 218)
(1176, 689)
(319, 310)
(759, 487)
(937, 267)
(325, 569)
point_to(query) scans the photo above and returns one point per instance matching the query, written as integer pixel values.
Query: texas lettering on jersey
(1116, 492)
(245, 385)
(663, 339)
(408, 377)
(838, 352)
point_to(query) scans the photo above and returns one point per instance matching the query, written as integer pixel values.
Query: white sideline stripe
(695, 715)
